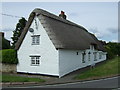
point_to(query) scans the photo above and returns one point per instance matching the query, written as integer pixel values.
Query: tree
(17, 32)
(103, 42)
(112, 49)
(5, 43)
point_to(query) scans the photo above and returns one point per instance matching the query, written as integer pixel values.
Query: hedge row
(8, 56)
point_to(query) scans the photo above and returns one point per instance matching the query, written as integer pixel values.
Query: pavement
(50, 80)
(104, 84)
(101, 83)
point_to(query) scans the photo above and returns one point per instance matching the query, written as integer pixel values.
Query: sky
(99, 18)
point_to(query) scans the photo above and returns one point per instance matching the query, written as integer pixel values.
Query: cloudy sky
(99, 18)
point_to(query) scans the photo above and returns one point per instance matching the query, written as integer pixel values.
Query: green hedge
(8, 56)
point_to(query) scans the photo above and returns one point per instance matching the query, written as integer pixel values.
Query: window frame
(100, 55)
(36, 60)
(95, 56)
(35, 39)
(89, 56)
(83, 57)
(77, 53)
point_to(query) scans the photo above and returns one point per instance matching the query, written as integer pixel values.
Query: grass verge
(13, 78)
(107, 69)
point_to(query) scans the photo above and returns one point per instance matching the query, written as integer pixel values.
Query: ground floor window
(95, 56)
(100, 55)
(89, 56)
(35, 60)
(83, 57)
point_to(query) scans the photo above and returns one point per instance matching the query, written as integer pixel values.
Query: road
(102, 83)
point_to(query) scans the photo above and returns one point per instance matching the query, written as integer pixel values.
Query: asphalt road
(102, 83)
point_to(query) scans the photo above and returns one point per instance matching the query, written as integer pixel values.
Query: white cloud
(8, 33)
(114, 40)
(112, 30)
(99, 35)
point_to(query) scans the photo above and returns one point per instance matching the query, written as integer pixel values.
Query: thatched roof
(63, 33)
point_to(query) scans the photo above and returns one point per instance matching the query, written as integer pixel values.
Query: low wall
(8, 68)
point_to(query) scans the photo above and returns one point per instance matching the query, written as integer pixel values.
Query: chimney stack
(62, 15)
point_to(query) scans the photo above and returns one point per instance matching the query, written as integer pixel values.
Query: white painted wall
(49, 55)
(70, 61)
(52, 61)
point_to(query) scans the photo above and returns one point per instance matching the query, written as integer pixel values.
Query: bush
(5, 44)
(112, 49)
(8, 56)
(110, 54)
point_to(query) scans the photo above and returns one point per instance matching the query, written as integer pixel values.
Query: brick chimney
(62, 15)
(2, 34)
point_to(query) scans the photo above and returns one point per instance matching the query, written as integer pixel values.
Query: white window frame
(35, 39)
(83, 57)
(35, 60)
(95, 56)
(100, 55)
(89, 56)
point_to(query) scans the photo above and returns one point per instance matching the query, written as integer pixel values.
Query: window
(77, 53)
(36, 24)
(89, 56)
(35, 40)
(92, 47)
(100, 55)
(95, 56)
(83, 57)
(35, 60)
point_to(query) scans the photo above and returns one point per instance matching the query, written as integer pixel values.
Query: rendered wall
(49, 55)
(69, 60)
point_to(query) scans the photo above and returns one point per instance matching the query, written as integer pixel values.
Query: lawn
(107, 69)
(13, 78)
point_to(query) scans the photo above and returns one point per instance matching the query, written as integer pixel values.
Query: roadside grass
(107, 69)
(13, 78)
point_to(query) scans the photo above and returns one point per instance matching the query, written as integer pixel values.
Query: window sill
(35, 65)
(83, 62)
(95, 60)
(35, 44)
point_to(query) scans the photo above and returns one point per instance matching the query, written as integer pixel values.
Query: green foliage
(108, 68)
(19, 28)
(5, 44)
(8, 56)
(13, 78)
(110, 54)
(112, 49)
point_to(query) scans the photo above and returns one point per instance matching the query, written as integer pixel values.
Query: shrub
(9, 56)
(5, 44)
(110, 54)
(112, 49)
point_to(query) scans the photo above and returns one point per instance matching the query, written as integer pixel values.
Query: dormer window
(35, 39)
(93, 46)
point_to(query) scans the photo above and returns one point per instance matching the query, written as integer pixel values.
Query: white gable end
(46, 50)
(76, 47)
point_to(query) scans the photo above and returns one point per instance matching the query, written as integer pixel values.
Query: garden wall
(8, 68)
